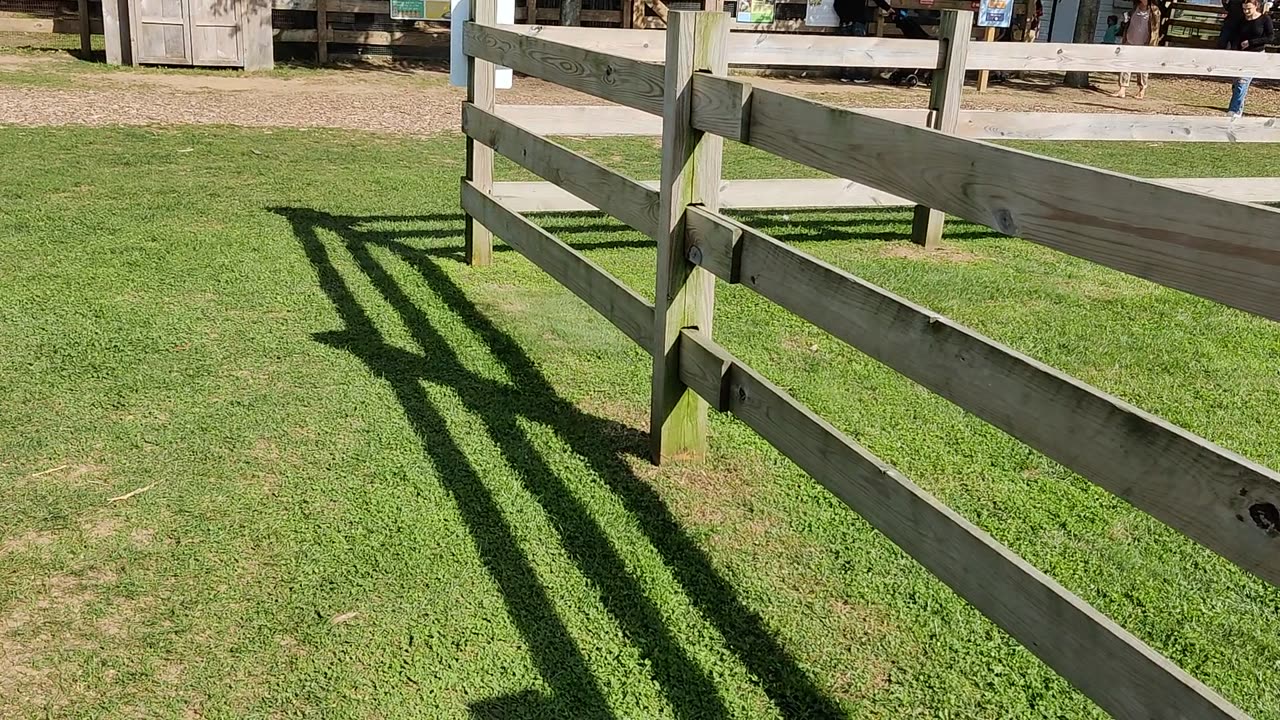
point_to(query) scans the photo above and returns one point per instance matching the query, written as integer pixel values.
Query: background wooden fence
(1221, 249)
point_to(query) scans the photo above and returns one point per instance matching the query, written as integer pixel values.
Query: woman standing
(1252, 34)
(1141, 27)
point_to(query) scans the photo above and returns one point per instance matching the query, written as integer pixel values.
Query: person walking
(854, 16)
(1141, 27)
(1230, 23)
(1254, 32)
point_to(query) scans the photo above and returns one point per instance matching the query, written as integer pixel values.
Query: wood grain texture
(833, 193)
(992, 125)
(1117, 670)
(607, 295)
(1057, 57)
(258, 49)
(617, 79)
(617, 195)
(481, 93)
(86, 34)
(782, 50)
(582, 120)
(1220, 249)
(685, 293)
(322, 31)
(946, 89)
(1214, 496)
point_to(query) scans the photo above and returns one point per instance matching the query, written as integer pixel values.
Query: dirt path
(55, 89)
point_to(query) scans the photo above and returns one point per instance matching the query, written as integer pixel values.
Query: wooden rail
(834, 193)
(1167, 231)
(783, 50)
(1222, 250)
(612, 120)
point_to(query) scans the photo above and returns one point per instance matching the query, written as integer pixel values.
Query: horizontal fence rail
(1188, 483)
(621, 80)
(1220, 249)
(834, 193)
(632, 314)
(1119, 672)
(1167, 231)
(783, 50)
(613, 120)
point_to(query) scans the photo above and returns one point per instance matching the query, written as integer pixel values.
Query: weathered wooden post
(86, 30)
(944, 105)
(696, 41)
(322, 32)
(481, 87)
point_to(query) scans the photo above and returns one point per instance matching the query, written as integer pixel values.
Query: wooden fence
(1168, 232)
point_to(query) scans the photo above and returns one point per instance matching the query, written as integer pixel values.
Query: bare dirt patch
(418, 100)
(27, 541)
(942, 254)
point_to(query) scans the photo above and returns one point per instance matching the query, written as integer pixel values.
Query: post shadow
(603, 444)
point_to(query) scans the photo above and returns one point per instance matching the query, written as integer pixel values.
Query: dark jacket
(1259, 31)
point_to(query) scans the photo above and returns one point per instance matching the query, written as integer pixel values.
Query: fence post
(86, 30)
(685, 297)
(944, 103)
(322, 32)
(984, 76)
(481, 79)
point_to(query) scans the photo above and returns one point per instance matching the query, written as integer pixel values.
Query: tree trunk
(1086, 26)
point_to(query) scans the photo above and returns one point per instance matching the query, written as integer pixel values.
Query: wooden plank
(685, 295)
(381, 38)
(374, 7)
(86, 31)
(767, 49)
(1219, 249)
(617, 79)
(614, 120)
(60, 26)
(834, 193)
(582, 120)
(1117, 670)
(1058, 57)
(1115, 126)
(597, 185)
(607, 295)
(115, 30)
(256, 40)
(945, 96)
(1214, 496)
(481, 93)
(322, 32)
(984, 76)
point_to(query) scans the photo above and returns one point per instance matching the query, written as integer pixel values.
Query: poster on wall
(995, 13)
(419, 9)
(821, 13)
(755, 11)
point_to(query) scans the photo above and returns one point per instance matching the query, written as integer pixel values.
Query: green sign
(419, 9)
(755, 11)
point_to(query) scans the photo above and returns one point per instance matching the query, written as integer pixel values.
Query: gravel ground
(53, 89)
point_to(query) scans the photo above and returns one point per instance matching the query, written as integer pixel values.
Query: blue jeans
(1239, 89)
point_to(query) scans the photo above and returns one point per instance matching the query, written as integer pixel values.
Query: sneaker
(1234, 115)
(861, 81)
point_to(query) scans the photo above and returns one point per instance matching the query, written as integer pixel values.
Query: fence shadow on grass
(604, 445)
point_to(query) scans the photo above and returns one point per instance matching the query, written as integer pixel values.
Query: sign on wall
(821, 13)
(995, 13)
(755, 11)
(419, 9)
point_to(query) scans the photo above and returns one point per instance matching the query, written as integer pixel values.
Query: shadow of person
(606, 447)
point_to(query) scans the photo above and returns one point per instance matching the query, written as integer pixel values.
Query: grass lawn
(376, 483)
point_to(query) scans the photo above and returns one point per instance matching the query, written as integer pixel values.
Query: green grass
(386, 485)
